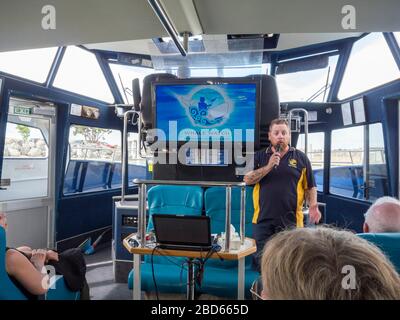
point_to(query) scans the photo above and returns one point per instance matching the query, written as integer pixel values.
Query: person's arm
(50, 254)
(311, 194)
(255, 176)
(311, 197)
(26, 250)
(28, 273)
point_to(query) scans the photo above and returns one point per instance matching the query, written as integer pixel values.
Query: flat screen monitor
(206, 110)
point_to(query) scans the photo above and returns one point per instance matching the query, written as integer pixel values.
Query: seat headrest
(387, 239)
(185, 196)
(388, 242)
(214, 199)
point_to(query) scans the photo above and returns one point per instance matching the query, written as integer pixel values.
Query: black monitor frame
(212, 81)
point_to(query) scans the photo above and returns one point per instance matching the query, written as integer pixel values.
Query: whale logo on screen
(206, 106)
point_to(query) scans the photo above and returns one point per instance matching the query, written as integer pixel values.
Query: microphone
(278, 149)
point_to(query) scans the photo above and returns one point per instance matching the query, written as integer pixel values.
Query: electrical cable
(152, 272)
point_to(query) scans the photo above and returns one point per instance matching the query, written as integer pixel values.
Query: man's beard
(283, 145)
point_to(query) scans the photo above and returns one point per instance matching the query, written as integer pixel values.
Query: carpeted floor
(100, 277)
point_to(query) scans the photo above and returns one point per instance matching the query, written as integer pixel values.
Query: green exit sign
(23, 110)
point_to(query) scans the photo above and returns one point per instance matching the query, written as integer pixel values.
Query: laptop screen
(182, 230)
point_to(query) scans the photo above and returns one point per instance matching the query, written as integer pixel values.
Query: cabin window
(31, 64)
(310, 85)
(124, 75)
(316, 142)
(80, 73)
(370, 64)
(94, 162)
(26, 161)
(358, 166)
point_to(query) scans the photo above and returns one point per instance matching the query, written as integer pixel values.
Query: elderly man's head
(383, 216)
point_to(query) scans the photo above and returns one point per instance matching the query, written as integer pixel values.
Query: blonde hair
(308, 263)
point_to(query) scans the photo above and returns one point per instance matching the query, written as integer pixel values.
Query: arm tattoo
(256, 175)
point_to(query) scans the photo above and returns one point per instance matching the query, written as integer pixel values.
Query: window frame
(68, 92)
(365, 163)
(44, 139)
(80, 191)
(323, 155)
(48, 75)
(346, 64)
(336, 52)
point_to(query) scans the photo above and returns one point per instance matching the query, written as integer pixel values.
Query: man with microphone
(283, 179)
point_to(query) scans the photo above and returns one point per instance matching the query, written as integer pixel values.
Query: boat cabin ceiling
(94, 22)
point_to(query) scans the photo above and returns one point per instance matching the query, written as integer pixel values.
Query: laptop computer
(182, 232)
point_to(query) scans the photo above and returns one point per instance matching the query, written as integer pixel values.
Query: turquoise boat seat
(388, 242)
(220, 277)
(169, 274)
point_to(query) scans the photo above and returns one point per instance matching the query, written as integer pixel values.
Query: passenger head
(383, 216)
(3, 220)
(279, 132)
(323, 263)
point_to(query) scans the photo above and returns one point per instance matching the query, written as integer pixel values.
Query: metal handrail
(305, 112)
(142, 186)
(190, 183)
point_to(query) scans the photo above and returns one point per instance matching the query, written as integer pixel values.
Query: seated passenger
(383, 216)
(26, 268)
(323, 263)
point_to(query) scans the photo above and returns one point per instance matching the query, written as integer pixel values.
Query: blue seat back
(167, 199)
(61, 291)
(215, 207)
(389, 243)
(8, 291)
